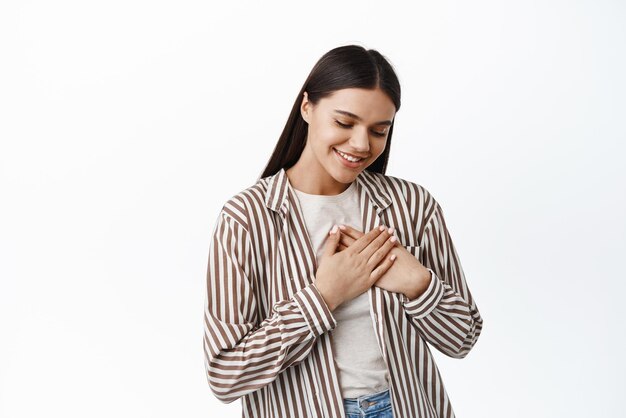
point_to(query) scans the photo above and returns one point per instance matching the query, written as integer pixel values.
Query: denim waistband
(367, 403)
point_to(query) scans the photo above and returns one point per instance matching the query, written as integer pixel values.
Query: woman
(327, 278)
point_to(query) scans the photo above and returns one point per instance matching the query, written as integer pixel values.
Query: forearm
(243, 358)
(445, 319)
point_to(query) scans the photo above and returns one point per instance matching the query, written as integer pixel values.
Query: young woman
(327, 278)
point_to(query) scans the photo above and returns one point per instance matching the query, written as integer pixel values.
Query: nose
(360, 141)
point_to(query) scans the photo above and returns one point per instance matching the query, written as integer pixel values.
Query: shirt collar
(278, 188)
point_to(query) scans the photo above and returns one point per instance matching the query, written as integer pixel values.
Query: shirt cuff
(315, 310)
(427, 301)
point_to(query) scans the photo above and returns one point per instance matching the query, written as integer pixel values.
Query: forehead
(366, 103)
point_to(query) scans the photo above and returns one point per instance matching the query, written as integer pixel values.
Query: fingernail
(381, 228)
(332, 231)
(393, 239)
(390, 230)
(342, 227)
(393, 257)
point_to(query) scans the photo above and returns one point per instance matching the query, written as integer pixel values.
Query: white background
(125, 125)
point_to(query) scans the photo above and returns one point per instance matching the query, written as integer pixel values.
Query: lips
(350, 155)
(346, 162)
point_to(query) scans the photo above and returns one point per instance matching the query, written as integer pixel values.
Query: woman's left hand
(406, 275)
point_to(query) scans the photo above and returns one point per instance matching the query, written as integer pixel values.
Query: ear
(305, 107)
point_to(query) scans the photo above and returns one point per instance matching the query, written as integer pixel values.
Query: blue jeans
(375, 405)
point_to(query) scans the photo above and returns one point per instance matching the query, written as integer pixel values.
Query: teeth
(347, 157)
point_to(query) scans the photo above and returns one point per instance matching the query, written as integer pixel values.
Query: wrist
(419, 284)
(330, 302)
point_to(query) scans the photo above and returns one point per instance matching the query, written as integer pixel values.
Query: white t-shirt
(359, 360)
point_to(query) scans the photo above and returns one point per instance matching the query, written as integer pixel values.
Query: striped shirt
(267, 334)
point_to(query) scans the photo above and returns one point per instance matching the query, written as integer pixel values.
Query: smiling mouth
(348, 157)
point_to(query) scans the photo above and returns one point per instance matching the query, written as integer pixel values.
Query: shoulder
(247, 204)
(396, 188)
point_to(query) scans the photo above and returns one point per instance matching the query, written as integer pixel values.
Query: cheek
(378, 147)
(328, 138)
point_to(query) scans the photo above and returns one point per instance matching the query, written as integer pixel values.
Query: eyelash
(343, 125)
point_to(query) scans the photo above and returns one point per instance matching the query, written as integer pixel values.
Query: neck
(311, 185)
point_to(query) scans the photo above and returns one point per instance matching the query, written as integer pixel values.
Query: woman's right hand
(342, 276)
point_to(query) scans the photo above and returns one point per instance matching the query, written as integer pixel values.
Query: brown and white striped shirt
(267, 335)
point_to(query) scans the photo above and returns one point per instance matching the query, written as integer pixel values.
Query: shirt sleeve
(242, 351)
(445, 314)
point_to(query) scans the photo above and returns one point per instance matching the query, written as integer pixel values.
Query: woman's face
(347, 132)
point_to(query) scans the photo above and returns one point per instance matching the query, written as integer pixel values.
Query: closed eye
(347, 126)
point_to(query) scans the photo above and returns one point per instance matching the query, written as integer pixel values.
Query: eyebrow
(352, 115)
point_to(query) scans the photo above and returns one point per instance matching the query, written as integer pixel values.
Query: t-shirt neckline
(328, 198)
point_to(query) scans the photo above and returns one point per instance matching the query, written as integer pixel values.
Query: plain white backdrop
(125, 125)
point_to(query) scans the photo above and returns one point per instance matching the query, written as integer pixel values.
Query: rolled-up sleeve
(242, 351)
(445, 314)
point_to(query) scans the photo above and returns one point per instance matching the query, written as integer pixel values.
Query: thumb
(332, 240)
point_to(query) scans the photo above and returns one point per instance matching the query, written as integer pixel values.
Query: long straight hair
(349, 66)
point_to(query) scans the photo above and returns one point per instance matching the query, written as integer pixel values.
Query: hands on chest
(354, 261)
(407, 275)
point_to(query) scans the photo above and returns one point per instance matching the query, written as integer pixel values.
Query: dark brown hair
(349, 66)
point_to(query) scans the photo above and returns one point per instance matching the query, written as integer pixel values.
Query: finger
(332, 240)
(366, 239)
(341, 247)
(377, 243)
(381, 252)
(350, 231)
(382, 268)
(346, 240)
